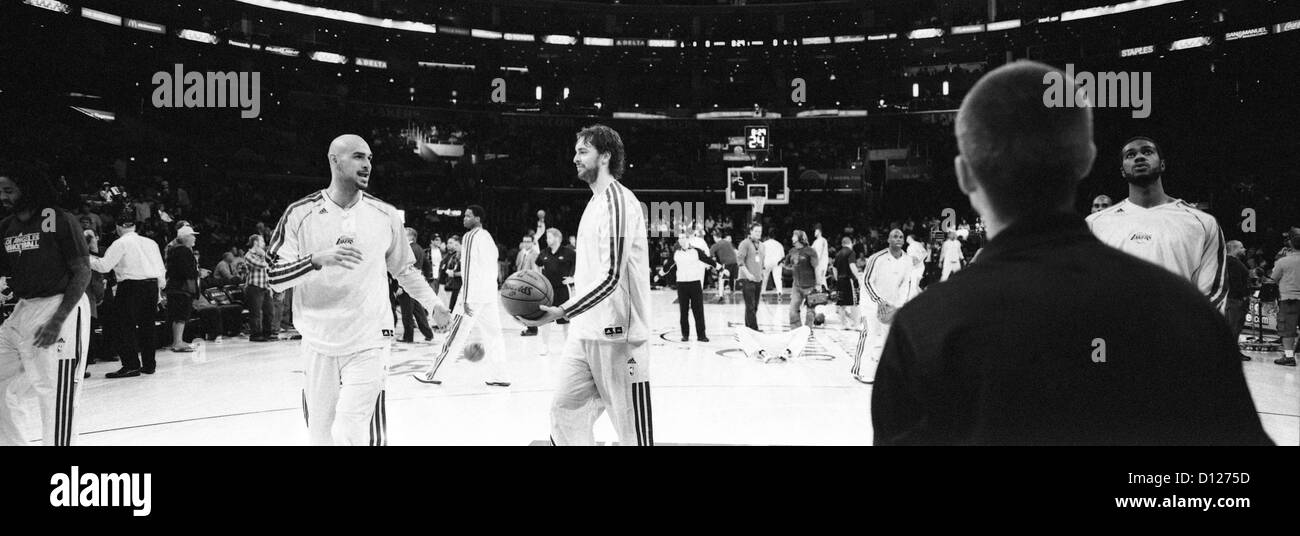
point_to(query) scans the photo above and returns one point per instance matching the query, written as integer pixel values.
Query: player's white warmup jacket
(479, 296)
(606, 359)
(886, 280)
(1174, 235)
(344, 316)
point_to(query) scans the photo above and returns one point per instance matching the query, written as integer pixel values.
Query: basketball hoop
(757, 204)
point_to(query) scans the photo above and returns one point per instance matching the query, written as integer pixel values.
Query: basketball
(523, 294)
(474, 352)
(819, 319)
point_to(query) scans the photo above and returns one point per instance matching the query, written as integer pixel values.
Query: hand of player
(49, 332)
(441, 314)
(465, 307)
(552, 314)
(344, 255)
(567, 280)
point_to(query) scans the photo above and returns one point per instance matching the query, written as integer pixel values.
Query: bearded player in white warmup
(333, 246)
(1155, 227)
(606, 359)
(478, 314)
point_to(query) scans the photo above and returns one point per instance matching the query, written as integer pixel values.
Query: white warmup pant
(775, 272)
(52, 375)
(949, 268)
(599, 375)
(871, 343)
(485, 328)
(343, 397)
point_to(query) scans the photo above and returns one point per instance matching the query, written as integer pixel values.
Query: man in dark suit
(1053, 337)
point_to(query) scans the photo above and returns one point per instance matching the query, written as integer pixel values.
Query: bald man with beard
(335, 247)
(1053, 337)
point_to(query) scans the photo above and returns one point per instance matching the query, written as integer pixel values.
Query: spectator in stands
(257, 293)
(96, 222)
(433, 266)
(526, 259)
(182, 286)
(725, 253)
(1286, 272)
(224, 272)
(1238, 290)
(451, 269)
(802, 260)
(413, 314)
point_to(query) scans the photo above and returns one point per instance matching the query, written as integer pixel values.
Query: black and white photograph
(1059, 224)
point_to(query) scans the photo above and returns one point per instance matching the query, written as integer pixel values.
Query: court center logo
(92, 490)
(1100, 90)
(193, 89)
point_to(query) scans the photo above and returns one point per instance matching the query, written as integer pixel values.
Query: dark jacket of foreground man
(1055, 338)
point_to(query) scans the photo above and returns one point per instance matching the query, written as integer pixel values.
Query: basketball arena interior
(213, 120)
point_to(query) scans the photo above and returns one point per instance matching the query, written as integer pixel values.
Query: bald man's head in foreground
(349, 159)
(1019, 157)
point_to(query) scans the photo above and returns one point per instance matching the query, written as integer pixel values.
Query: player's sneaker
(498, 384)
(426, 378)
(1285, 361)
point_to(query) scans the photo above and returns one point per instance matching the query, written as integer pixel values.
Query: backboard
(771, 183)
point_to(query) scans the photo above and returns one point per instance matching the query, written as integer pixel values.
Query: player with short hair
(886, 286)
(1155, 227)
(43, 343)
(333, 247)
(606, 359)
(478, 313)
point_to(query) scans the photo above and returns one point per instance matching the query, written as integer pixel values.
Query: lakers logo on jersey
(1140, 238)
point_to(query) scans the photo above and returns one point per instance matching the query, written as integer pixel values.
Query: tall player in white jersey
(333, 247)
(606, 359)
(1153, 226)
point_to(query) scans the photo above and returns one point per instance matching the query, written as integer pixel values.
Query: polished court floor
(243, 393)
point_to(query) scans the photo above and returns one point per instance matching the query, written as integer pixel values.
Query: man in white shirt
(141, 277)
(478, 313)
(885, 288)
(773, 253)
(1155, 227)
(951, 256)
(334, 247)
(606, 360)
(822, 248)
(691, 264)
